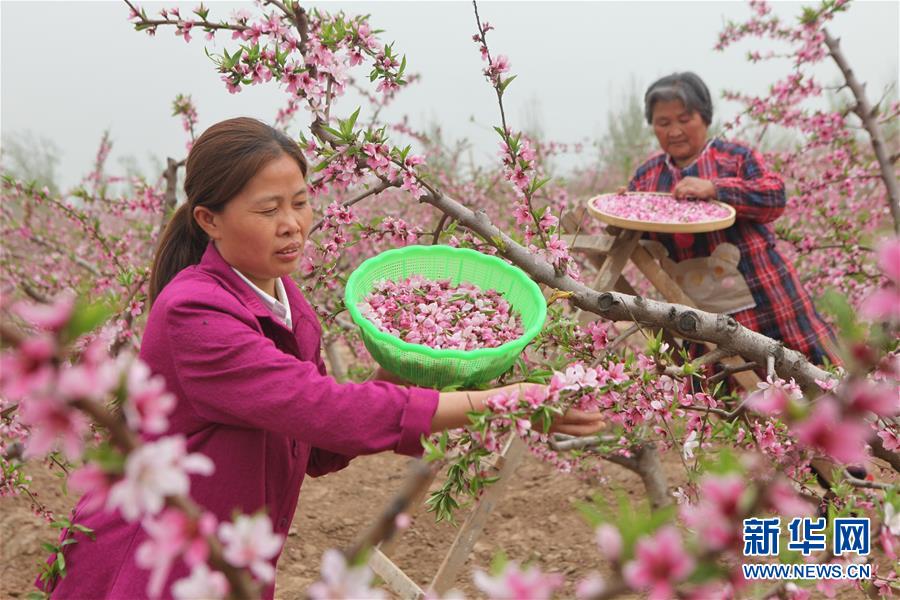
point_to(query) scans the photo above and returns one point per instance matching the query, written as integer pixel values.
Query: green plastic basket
(440, 368)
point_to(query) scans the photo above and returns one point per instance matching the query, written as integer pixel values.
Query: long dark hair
(221, 162)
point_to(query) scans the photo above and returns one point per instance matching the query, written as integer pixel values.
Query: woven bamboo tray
(661, 226)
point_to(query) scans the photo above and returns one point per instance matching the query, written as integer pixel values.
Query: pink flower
(658, 208)
(411, 185)
(616, 373)
(342, 582)
(660, 562)
(589, 587)
(889, 439)
(882, 305)
(502, 402)
(548, 220)
(889, 259)
(500, 64)
(515, 584)
(522, 214)
(715, 516)
(439, 314)
(27, 369)
(825, 429)
(170, 535)
(785, 501)
(250, 542)
(202, 584)
(90, 479)
(536, 396)
(153, 472)
(523, 426)
(773, 396)
(558, 250)
(147, 404)
(577, 377)
(519, 178)
(51, 317)
(883, 399)
(609, 541)
(53, 423)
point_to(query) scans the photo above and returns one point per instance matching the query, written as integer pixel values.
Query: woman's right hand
(622, 189)
(453, 406)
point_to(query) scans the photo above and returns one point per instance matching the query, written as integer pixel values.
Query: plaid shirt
(784, 310)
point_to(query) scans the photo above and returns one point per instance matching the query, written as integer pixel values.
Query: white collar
(279, 306)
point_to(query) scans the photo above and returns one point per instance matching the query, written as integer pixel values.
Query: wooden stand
(469, 532)
(610, 253)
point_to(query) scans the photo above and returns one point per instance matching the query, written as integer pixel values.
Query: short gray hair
(686, 87)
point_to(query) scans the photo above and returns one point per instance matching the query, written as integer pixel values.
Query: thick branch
(359, 198)
(864, 110)
(645, 463)
(684, 321)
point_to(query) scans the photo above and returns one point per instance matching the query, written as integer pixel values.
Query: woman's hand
(574, 422)
(453, 406)
(578, 423)
(694, 187)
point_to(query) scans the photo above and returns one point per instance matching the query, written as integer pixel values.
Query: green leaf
(49, 547)
(85, 530)
(498, 563)
(86, 318)
(505, 83)
(537, 184)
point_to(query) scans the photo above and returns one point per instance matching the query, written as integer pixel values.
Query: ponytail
(182, 245)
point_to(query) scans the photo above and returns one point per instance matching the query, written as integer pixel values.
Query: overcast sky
(72, 69)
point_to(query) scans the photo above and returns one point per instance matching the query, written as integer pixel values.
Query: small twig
(624, 336)
(862, 483)
(153, 23)
(711, 357)
(34, 294)
(562, 443)
(439, 229)
(359, 198)
(729, 370)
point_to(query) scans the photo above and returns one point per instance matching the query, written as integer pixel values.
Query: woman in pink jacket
(239, 346)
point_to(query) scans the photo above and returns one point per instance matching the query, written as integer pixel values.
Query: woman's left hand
(694, 187)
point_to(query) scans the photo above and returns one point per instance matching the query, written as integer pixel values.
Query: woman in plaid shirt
(679, 109)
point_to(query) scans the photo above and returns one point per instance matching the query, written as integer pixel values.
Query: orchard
(694, 485)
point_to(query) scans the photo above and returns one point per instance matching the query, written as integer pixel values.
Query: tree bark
(866, 114)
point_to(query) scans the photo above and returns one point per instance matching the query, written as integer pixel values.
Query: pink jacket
(254, 397)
